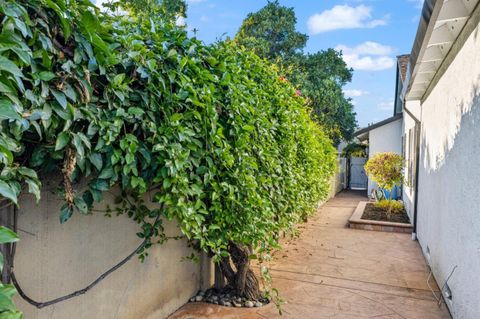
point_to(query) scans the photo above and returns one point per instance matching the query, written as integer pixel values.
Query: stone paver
(331, 271)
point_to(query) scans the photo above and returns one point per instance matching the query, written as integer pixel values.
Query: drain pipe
(417, 169)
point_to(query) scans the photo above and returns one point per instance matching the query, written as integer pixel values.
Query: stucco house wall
(54, 259)
(386, 138)
(448, 211)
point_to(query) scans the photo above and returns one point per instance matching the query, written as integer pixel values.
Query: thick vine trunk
(219, 278)
(236, 270)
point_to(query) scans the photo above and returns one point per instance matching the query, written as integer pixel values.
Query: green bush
(393, 206)
(227, 147)
(386, 169)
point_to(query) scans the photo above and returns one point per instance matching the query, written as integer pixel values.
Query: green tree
(320, 77)
(270, 33)
(169, 10)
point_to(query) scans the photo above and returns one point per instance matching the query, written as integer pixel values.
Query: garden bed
(368, 217)
(373, 213)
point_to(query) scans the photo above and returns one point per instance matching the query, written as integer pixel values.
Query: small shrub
(386, 169)
(395, 206)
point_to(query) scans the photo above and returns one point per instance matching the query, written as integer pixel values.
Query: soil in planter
(373, 213)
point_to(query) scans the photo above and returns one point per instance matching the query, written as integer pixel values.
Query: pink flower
(298, 93)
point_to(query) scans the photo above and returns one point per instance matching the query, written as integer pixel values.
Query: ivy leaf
(99, 184)
(12, 314)
(6, 303)
(46, 76)
(96, 160)
(5, 87)
(9, 66)
(81, 204)
(77, 142)
(65, 213)
(7, 112)
(33, 188)
(89, 22)
(7, 235)
(27, 172)
(8, 290)
(61, 15)
(8, 192)
(62, 140)
(248, 128)
(60, 97)
(97, 195)
(106, 173)
(7, 154)
(136, 111)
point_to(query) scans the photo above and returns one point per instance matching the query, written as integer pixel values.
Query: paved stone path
(332, 271)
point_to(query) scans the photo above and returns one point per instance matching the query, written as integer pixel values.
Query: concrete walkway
(332, 271)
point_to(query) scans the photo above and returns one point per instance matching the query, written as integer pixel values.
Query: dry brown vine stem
(68, 168)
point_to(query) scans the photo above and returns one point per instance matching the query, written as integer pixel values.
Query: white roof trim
(445, 26)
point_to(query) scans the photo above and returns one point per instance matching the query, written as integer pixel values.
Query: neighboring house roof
(376, 125)
(402, 61)
(402, 70)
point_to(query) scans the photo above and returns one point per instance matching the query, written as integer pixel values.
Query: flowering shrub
(386, 169)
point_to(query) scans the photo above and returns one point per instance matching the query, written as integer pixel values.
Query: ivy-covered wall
(55, 259)
(226, 145)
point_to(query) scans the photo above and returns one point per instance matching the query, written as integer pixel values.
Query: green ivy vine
(219, 138)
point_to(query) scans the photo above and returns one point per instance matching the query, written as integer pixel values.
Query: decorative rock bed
(357, 222)
(227, 298)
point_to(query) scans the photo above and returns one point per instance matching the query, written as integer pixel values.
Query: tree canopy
(222, 142)
(271, 33)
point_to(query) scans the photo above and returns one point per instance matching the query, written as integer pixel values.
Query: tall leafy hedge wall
(225, 144)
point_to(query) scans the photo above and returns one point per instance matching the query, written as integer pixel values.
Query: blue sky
(371, 34)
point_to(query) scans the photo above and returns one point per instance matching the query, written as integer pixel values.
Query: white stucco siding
(449, 207)
(386, 138)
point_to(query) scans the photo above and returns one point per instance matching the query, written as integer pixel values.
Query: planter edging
(357, 222)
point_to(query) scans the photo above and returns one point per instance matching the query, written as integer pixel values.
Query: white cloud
(385, 105)
(204, 18)
(368, 56)
(344, 17)
(366, 48)
(368, 63)
(355, 93)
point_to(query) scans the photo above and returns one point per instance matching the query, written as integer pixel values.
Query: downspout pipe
(417, 169)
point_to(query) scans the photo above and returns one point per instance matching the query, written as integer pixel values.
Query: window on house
(412, 156)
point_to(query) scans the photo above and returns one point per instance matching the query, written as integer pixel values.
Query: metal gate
(358, 177)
